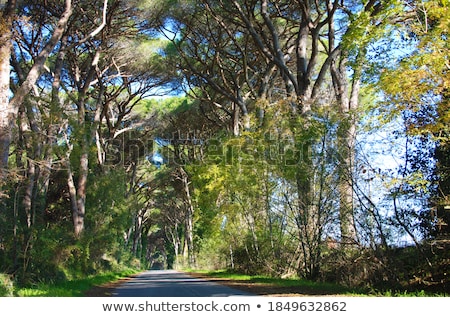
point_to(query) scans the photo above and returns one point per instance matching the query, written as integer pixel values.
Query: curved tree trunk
(9, 108)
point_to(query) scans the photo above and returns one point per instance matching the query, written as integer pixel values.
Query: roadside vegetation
(268, 286)
(71, 288)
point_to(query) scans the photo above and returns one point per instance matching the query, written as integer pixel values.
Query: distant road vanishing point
(171, 283)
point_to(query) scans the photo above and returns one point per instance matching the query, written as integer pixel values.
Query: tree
(74, 129)
(242, 57)
(5, 110)
(104, 84)
(418, 85)
(10, 107)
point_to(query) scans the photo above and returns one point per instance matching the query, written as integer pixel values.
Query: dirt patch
(106, 290)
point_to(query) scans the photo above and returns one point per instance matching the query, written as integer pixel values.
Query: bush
(6, 285)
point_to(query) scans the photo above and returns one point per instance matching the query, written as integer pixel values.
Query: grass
(421, 293)
(307, 287)
(73, 288)
(310, 288)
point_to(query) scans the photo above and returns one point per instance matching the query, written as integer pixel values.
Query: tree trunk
(6, 112)
(81, 191)
(78, 220)
(346, 146)
(137, 235)
(34, 150)
(189, 225)
(88, 133)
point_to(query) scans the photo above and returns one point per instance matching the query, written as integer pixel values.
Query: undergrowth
(72, 288)
(306, 287)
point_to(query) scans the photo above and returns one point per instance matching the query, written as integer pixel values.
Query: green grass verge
(73, 288)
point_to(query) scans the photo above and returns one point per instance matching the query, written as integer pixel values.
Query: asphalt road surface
(171, 283)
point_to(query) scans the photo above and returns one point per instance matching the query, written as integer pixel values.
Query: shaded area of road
(171, 283)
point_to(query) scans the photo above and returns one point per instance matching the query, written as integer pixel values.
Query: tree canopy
(286, 138)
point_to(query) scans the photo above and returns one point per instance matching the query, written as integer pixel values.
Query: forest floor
(262, 289)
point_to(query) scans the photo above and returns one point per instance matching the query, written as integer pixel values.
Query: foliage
(416, 90)
(6, 285)
(311, 140)
(72, 288)
(67, 204)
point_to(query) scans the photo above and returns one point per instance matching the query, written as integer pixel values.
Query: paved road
(171, 283)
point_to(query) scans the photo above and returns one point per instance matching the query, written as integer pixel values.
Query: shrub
(6, 285)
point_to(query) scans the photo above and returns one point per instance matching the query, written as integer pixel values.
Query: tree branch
(40, 60)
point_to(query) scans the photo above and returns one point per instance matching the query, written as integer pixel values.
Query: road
(171, 283)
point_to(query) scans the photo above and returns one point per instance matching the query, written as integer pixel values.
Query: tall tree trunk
(346, 146)
(137, 234)
(6, 112)
(81, 191)
(88, 133)
(78, 220)
(77, 191)
(53, 117)
(34, 150)
(189, 221)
